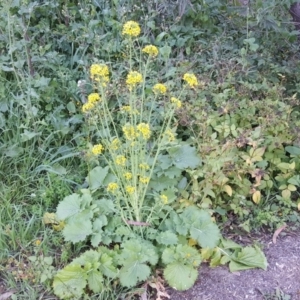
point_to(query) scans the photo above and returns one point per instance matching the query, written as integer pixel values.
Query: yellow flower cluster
(99, 73)
(151, 50)
(144, 180)
(112, 187)
(190, 79)
(121, 160)
(144, 129)
(97, 149)
(128, 175)
(130, 189)
(131, 28)
(159, 88)
(128, 108)
(115, 144)
(164, 199)
(129, 132)
(86, 107)
(176, 101)
(170, 135)
(93, 97)
(144, 166)
(134, 78)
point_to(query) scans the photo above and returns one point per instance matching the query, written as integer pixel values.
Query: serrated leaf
(179, 276)
(70, 206)
(105, 206)
(247, 258)
(167, 238)
(201, 227)
(96, 177)
(256, 197)
(259, 152)
(70, 282)
(90, 256)
(185, 157)
(132, 273)
(107, 267)
(77, 231)
(95, 281)
(138, 251)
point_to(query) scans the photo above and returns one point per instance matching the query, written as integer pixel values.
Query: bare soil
(283, 274)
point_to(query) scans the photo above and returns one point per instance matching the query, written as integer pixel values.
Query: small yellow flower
(130, 189)
(170, 135)
(131, 28)
(190, 79)
(134, 78)
(151, 50)
(129, 132)
(121, 160)
(126, 108)
(97, 149)
(164, 199)
(99, 73)
(144, 129)
(86, 107)
(38, 242)
(93, 97)
(144, 180)
(176, 101)
(144, 166)
(112, 187)
(115, 144)
(128, 175)
(159, 88)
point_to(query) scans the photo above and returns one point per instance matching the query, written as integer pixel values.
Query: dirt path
(283, 273)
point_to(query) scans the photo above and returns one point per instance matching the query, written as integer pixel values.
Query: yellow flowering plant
(135, 173)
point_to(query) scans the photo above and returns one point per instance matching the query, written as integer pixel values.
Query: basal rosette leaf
(184, 157)
(77, 230)
(107, 266)
(95, 281)
(68, 207)
(70, 282)
(247, 258)
(132, 273)
(167, 238)
(201, 227)
(180, 276)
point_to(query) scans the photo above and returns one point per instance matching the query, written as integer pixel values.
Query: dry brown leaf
(277, 232)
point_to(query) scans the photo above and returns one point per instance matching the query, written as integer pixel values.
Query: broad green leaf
(96, 177)
(185, 157)
(107, 267)
(247, 258)
(167, 238)
(70, 282)
(229, 244)
(206, 253)
(216, 258)
(179, 276)
(293, 150)
(28, 135)
(95, 281)
(132, 273)
(201, 227)
(105, 206)
(77, 231)
(68, 207)
(138, 251)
